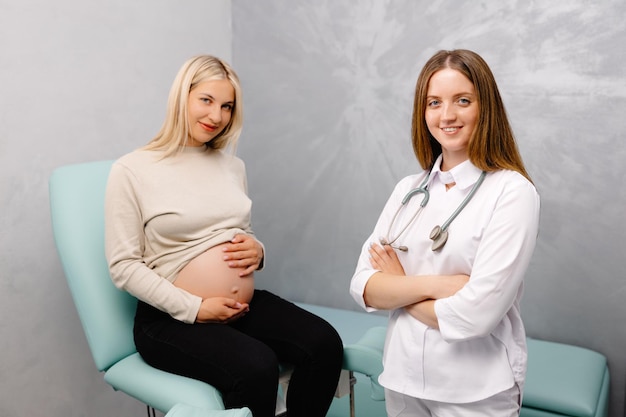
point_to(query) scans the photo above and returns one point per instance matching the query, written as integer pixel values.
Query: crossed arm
(391, 288)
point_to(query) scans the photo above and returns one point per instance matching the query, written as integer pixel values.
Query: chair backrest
(77, 211)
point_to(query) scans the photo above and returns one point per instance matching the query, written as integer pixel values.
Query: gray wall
(79, 81)
(328, 89)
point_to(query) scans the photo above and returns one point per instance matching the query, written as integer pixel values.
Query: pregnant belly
(208, 275)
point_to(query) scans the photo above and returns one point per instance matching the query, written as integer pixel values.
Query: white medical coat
(480, 347)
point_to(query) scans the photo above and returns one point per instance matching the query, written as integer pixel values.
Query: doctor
(448, 254)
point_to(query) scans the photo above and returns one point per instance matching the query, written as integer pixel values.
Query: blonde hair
(174, 133)
(492, 146)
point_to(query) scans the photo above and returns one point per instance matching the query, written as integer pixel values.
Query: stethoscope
(439, 234)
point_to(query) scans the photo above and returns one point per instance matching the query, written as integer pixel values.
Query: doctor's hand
(220, 310)
(385, 259)
(424, 311)
(445, 286)
(243, 252)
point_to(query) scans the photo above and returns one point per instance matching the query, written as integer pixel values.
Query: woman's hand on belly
(209, 275)
(244, 252)
(220, 310)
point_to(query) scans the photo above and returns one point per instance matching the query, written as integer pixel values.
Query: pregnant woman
(179, 238)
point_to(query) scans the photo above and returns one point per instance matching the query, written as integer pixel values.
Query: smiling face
(209, 110)
(451, 114)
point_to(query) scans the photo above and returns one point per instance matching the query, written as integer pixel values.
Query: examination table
(561, 380)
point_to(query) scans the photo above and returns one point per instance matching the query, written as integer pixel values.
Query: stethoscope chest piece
(439, 237)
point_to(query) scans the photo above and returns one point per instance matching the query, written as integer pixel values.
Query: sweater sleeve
(124, 248)
(249, 228)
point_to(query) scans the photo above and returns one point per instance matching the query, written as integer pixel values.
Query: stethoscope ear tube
(419, 190)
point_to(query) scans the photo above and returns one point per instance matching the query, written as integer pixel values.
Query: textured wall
(79, 81)
(328, 89)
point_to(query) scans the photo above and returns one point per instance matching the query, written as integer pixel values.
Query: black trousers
(241, 359)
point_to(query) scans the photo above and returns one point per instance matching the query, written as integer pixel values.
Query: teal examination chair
(106, 313)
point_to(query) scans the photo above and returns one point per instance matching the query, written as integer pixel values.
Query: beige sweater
(162, 213)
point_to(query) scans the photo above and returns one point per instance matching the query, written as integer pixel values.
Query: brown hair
(492, 145)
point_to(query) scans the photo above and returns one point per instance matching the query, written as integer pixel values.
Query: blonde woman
(179, 238)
